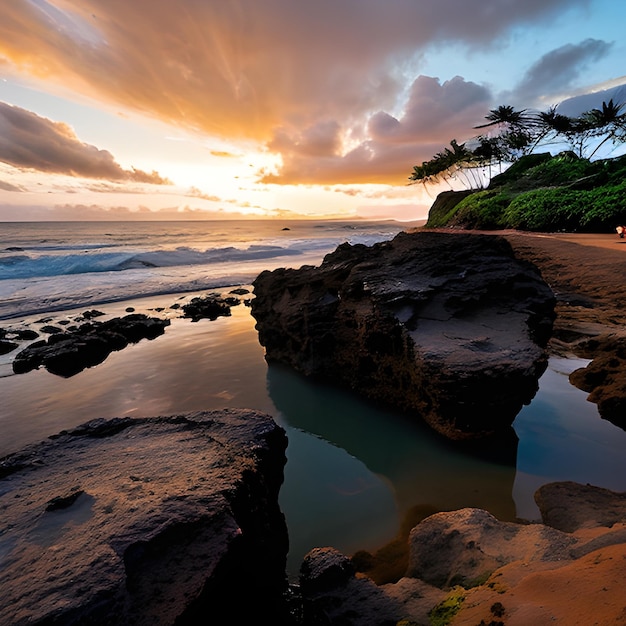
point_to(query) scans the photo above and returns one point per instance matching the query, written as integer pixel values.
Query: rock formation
(452, 328)
(605, 377)
(472, 568)
(146, 521)
(68, 353)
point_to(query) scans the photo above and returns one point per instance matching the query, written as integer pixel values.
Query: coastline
(564, 265)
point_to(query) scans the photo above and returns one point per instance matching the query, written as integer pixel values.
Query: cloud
(576, 105)
(95, 212)
(319, 83)
(556, 71)
(243, 68)
(450, 109)
(30, 141)
(10, 187)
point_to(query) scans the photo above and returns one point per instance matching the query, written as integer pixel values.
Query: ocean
(353, 471)
(47, 266)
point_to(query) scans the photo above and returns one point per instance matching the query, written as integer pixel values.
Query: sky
(203, 109)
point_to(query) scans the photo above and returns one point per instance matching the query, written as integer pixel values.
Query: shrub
(482, 210)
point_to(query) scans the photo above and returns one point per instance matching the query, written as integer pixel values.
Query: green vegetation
(561, 193)
(442, 614)
(537, 191)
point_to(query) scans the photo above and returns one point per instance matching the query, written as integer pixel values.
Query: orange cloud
(434, 111)
(4, 186)
(242, 68)
(30, 141)
(303, 76)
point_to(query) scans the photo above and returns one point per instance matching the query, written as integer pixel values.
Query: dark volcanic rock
(208, 307)
(450, 327)
(7, 346)
(67, 353)
(605, 377)
(333, 594)
(146, 521)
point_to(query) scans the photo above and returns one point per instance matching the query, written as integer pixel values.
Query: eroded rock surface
(467, 567)
(452, 328)
(146, 521)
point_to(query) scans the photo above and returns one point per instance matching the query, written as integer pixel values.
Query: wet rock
(51, 330)
(92, 313)
(7, 346)
(570, 506)
(208, 307)
(332, 593)
(24, 334)
(605, 377)
(155, 521)
(450, 328)
(68, 353)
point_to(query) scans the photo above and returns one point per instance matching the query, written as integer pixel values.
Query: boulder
(466, 546)
(208, 307)
(332, 593)
(570, 506)
(146, 521)
(7, 346)
(67, 353)
(448, 327)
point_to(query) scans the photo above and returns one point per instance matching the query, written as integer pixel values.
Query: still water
(352, 470)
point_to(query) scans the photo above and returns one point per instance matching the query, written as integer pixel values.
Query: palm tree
(515, 128)
(608, 121)
(446, 164)
(505, 115)
(550, 125)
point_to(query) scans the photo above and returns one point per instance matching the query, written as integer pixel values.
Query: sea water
(353, 471)
(47, 266)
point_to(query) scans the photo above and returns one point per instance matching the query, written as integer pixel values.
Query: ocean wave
(24, 266)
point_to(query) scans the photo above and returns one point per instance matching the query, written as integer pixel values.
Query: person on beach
(620, 231)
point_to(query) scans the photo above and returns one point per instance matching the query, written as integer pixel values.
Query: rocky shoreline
(116, 518)
(451, 329)
(157, 520)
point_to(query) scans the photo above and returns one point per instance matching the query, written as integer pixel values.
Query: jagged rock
(149, 521)
(605, 377)
(7, 346)
(68, 353)
(450, 327)
(333, 593)
(51, 330)
(208, 307)
(92, 313)
(24, 334)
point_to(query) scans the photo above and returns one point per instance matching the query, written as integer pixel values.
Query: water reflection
(563, 437)
(418, 466)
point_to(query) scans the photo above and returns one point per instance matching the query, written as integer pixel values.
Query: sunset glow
(196, 109)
